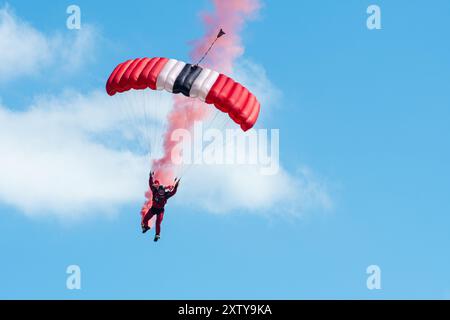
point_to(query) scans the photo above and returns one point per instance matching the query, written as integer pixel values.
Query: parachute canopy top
(192, 81)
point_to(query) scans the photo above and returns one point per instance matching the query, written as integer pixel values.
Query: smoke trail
(230, 15)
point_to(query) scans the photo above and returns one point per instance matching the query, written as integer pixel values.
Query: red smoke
(183, 115)
(230, 15)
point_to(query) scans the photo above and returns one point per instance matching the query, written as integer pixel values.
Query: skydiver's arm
(150, 182)
(174, 190)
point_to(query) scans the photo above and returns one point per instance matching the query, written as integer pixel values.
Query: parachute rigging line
(221, 33)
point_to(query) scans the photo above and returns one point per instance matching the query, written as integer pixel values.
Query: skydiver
(160, 195)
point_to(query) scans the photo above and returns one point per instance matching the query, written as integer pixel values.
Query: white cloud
(226, 188)
(25, 51)
(53, 163)
(70, 155)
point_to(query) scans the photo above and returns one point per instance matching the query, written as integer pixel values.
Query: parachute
(193, 81)
(201, 86)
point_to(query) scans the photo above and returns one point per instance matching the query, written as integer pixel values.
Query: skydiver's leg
(159, 218)
(148, 216)
(145, 221)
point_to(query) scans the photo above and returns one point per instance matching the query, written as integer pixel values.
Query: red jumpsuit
(158, 203)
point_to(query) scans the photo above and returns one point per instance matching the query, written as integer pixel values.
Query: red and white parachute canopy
(191, 80)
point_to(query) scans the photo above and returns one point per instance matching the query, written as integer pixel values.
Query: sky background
(364, 131)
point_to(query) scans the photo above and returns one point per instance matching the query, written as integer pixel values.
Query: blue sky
(366, 111)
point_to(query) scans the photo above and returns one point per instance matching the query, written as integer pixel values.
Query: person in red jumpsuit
(160, 195)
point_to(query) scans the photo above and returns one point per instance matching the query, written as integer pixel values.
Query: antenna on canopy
(221, 33)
